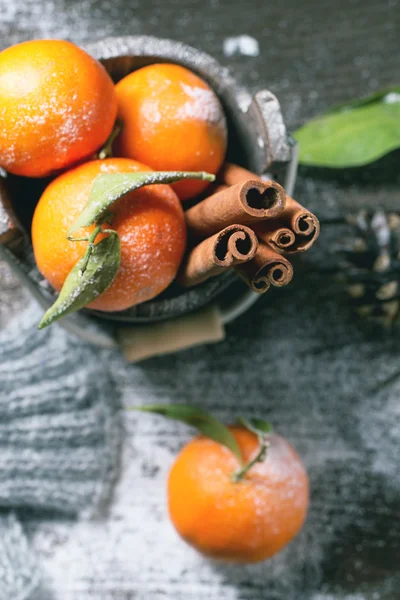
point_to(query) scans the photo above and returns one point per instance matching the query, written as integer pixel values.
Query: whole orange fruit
(246, 521)
(57, 106)
(149, 222)
(172, 120)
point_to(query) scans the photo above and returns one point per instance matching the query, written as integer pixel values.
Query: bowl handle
(266, 110)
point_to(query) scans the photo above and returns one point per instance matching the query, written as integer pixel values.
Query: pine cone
(371, 265)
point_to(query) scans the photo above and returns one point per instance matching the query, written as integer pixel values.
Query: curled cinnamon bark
(294, 231)
(247, 202)
(265, 269)
(304, 224)
(281, 239)
(233, 245)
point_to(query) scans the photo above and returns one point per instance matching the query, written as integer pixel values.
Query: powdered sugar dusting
(379, 428)
(151, 111)
(202, 104)
(245, 45)
(49, 121)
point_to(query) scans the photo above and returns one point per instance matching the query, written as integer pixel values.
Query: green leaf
(258, 426)
(89, 278)
(353, 134)
(199, 418)
(109, 187)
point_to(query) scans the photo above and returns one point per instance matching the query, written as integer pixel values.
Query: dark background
(304, 362)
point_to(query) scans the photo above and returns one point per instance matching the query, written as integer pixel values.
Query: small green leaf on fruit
(199, 418)
(352, 134)
(258, 426)
(109, 187)
(89, 278)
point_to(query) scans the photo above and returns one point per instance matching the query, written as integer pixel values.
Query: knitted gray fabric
(59, 436)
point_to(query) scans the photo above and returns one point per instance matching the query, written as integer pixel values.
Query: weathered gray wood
(299, 358)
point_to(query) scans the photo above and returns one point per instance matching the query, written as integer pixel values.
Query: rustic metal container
(257, 139)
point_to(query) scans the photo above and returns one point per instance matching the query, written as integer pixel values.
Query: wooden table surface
(298, 358)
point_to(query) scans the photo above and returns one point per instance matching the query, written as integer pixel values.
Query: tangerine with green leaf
(57, 107)
(237, 493)
(172, 120)
(149, 222)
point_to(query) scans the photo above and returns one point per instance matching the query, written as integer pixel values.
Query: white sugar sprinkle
(244, 45)
(202, 104)
(392, 98)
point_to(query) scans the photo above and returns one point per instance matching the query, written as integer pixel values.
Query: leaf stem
(260, 457)
(196, 417)
(72, 239)
(106, 150)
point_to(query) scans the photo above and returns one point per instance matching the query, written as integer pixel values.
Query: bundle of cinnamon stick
(247, 224)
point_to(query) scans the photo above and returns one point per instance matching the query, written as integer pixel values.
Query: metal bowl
(257, 139)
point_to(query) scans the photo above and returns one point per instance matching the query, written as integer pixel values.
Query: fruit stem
(90, 247)
(260, 457)
(106, 150)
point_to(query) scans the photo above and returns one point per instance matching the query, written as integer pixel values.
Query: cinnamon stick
(233, 245)
(295, 229)
(265, 269)
(281, 239)
(247, 202)
(231, 174)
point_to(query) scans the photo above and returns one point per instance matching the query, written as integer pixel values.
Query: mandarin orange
(245, 521)
(57, 107)
(149, 222)
(172, 120)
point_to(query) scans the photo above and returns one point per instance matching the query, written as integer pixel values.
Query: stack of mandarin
(58, 109)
